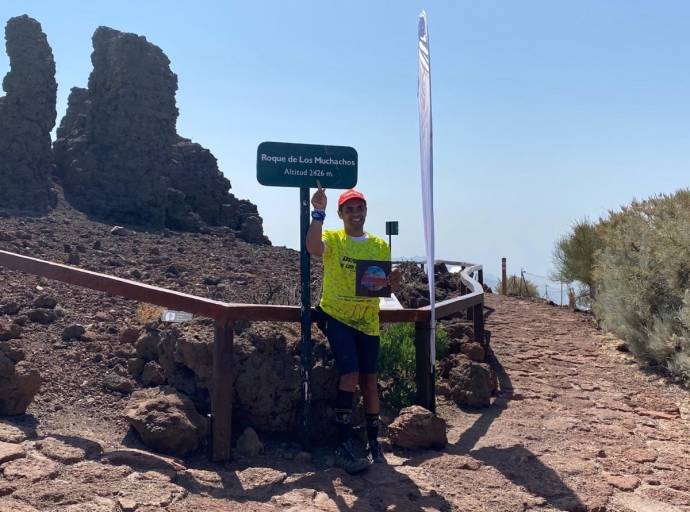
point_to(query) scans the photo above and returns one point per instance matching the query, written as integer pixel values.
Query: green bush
(397, 362)
(643, 276)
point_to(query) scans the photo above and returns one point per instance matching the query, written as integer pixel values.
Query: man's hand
(394, 279)
(319, 200)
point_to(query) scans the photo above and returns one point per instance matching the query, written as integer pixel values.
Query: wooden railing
(224, 314)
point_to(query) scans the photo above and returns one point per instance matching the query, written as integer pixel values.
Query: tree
(575, 254)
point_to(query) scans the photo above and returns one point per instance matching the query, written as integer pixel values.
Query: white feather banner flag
(427, 160)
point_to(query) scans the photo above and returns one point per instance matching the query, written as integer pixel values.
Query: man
(352, 322)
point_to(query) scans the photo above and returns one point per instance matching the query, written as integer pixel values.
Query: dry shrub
(643, 275)
(146, 312)
(519, 287)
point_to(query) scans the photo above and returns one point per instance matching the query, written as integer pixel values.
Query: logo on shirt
(348, 263)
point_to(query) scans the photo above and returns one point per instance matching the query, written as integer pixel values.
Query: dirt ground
(577, 425)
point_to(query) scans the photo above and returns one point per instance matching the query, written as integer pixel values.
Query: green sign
(283, 164)
(392, 227)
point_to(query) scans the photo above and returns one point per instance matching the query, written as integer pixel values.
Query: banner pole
(427, 164)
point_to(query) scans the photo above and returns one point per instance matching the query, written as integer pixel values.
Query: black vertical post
(478, 315)
(426, 391)
(463, 291)
(478, 319)
(504, 278)
(306, 318)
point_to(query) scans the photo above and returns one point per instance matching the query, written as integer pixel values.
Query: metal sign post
(305, 353)
(282, 164)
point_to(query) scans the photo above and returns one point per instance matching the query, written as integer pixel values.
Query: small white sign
(176, 316)
(391, 302)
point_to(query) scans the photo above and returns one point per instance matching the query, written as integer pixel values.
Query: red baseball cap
(350, 194)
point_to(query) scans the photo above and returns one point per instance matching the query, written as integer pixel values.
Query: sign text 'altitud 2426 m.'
(283, 164)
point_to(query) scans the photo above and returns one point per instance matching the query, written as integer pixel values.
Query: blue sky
(544, 111)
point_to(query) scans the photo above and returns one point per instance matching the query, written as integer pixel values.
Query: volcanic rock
(110, 159)
(27, 116)
(10, 308)
(167, 421)
(11, 332)
(118, 155)
(115, 382)
(152, 374)
(19, 383)
(45, 302)
(42, 316)
(417, 428)
(248, 444)
(472, 383)
(72, 331)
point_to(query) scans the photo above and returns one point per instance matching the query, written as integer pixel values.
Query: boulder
(147, 344)
(45, 302)
(19, 383)
(474, 351)
(72, 331)
(152, 374)
(116, 382)
(472, 384)
(10, 308)
(416, 428)
(10, 332)
(248, 444)
(42, 316)
(166, 421)
(128, 336)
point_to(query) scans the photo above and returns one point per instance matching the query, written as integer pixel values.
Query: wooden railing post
(426, 392)
(220, 444)
(504, 278)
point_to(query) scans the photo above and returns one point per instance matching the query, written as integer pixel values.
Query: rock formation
(27, 116)
(266, 374)
(118, 155)
(111, 153)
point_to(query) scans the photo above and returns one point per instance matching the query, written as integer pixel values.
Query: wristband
(318, 215)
